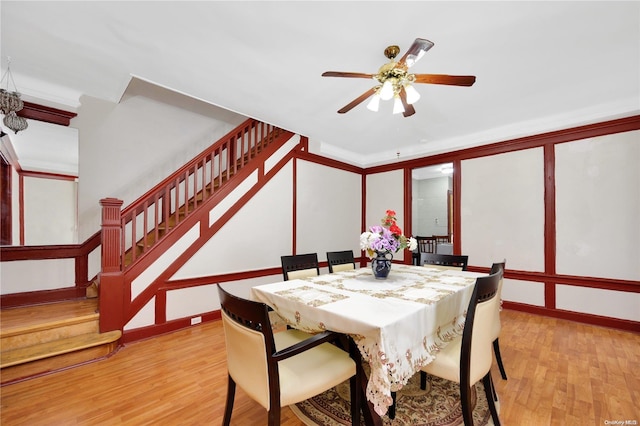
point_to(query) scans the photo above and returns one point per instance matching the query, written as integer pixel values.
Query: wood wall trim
(46, 175)
(42, 296)
(616, 323)
(571, 280)
(46, 114)
(559, 136)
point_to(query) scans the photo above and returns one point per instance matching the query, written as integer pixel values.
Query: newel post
(111, 291)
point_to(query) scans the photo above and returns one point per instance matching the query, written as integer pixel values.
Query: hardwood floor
(560, 373)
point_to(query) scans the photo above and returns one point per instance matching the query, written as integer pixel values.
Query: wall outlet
(196, 320)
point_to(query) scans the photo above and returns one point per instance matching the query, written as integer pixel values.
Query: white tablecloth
(399, 324)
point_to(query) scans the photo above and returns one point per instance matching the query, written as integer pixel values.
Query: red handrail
(153, 215)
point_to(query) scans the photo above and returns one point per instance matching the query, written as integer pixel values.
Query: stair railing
(148, 219)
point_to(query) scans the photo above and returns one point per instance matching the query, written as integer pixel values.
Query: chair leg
(465, 402)
(392, 409)
(354, 388)
(496, 350)
(356, 381)
(423, 380)
(231, 393)
(493, 391)
(274, 415)
(487, 381)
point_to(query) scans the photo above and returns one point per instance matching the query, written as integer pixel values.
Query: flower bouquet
(384, 240)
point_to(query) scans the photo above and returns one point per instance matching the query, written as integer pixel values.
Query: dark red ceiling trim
(46, 114)
(559, 136)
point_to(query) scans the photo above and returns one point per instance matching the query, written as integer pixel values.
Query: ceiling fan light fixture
(395, 80)
(386, 92)
(374, 103)
(412, 94)
(398, 108)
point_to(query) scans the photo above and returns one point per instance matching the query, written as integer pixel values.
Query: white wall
(49, 211)
(127, 148)
(329, 205)
(597, 183)
(502, 210)
(385, 191)
(598, 207)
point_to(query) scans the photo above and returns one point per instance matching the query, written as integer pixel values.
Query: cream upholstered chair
(444, 261)
(340, 261)
(300, 266)
(497, 326)
(284, 368)
(468, 359)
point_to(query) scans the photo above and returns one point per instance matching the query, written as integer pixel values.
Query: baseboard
(42, 296)
(617, 323)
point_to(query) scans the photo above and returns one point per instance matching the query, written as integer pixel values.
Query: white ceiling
(540, 66)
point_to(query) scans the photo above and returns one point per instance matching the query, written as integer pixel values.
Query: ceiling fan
(396, 80)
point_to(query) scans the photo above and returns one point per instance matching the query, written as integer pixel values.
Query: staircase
(39, 339)
(43, 338)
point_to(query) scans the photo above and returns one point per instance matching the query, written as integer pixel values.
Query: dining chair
(467, 359)
(300, 266)
(497, 326)
(340, 261)
(444, 261)
(442, 239)
(426, 244)
(281, 369)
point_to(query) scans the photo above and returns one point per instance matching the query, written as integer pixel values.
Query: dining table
(399, 324)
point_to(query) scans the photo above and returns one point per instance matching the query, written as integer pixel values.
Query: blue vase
(381, 264)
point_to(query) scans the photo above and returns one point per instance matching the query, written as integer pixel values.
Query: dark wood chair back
(452, 260)
(300, 262)
(442, 239)
(426, 244)
(340, 260)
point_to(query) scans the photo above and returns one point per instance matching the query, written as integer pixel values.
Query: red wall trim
(457, 203)
(578, 281)
(549, 224)
(46, 175)
(324, 161)
(46, 114)
(167, 327)
(294, 205)
(568, 135)
(41, 296)
(620, 324)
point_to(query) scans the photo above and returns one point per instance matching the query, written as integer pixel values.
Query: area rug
(438, 405)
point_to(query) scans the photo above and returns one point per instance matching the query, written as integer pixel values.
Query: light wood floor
(560, 373)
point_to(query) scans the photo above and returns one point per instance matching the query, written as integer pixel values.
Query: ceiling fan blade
(415, 52)
(451, 80)
(409, 110)
(346, 74)
(357, 101)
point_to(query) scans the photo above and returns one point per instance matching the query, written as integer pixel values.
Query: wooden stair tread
(58, 347)
(24, 319)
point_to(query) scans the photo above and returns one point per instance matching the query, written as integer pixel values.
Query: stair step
(23, 325)
(57, 347)
(39, 339)
(36, 315)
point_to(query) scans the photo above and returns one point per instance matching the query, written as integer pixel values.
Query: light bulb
(412, 94)
(374, 103)
(397, 105)
(386, 92)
